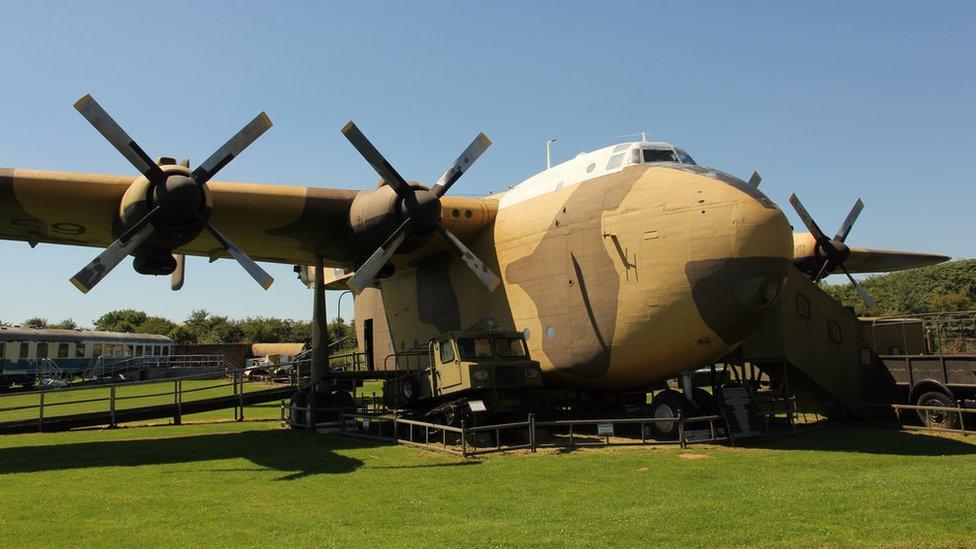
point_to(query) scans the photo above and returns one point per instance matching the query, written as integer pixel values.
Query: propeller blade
(845, 229)
(483, 273)
(94, 272)
(808, 220)
(366, 273)
(755, 180)
(382, 167)
(461, 165)
(232, 148)
(865, 296)
(179, 275)
(257, 273)
(824, 271)
(110, 130)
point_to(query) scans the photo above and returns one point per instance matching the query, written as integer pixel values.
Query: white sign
(604, 429)
(365, 424)
(477, 406)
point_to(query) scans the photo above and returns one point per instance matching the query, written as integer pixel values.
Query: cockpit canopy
(647, 152)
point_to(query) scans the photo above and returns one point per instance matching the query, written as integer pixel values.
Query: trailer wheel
(667, 404)
(940, 419)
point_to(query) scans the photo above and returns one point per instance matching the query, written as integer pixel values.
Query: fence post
(681, 429)
(464, 439)
(112, 407)
(532, 431)
(962, 420)
(40, 413)
(177, 404)
(240, 393)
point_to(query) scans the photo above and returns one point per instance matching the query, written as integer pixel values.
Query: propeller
(177, 197)
(832, 252)
(422, 209)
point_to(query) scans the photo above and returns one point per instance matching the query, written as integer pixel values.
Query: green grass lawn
(253, 484)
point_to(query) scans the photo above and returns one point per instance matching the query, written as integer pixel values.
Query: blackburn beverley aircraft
(623, 266)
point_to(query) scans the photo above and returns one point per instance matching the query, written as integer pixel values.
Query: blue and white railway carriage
(26, 352)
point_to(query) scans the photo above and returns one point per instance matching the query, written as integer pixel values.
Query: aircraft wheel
(344, 400)
(316, 412)
(298, 400)
(938, 418)
(667, 404)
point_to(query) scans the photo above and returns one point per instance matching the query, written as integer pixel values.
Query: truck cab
(488, 366)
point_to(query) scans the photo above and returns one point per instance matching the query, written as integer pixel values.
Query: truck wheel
(667, 404)
(940, 419)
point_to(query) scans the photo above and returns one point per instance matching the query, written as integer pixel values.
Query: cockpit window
(615, 161)
(686, 158)
(659, 155)
(621, 147)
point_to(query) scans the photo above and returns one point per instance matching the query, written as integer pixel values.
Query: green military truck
(468, 372)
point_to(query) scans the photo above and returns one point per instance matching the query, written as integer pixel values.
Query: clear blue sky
(832, 100)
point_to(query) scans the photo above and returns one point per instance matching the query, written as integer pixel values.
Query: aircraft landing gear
(667, 404)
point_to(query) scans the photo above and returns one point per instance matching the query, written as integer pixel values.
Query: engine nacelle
(375, 214)
(178, 198)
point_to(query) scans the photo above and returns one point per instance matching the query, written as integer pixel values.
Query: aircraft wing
(276, 223)
(873, 260)
(863, 260)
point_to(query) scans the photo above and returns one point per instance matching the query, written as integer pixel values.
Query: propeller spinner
(832, 252)
(177, 198)
(421, 209)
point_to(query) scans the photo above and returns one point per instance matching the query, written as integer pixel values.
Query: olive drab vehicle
(488, 369)
(623, 266)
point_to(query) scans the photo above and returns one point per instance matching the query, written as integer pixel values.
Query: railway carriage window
(615, 161)
(3, 349)
(96, 350)
(62, 350)
(447, 351)
(165, 351)
(41, 350)
(128, 350)
(79, 350)
(24, 349)
(138, 350)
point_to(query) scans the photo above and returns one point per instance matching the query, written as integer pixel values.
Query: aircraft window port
(833, 330)
(467, 214)
(615, 161)
(659, 155)
(526, 333)
(455, 212)
(591, 167)
(802, 306)
(550, 332)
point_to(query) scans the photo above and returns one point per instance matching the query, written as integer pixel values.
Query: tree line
(949, 286)
(202, 326)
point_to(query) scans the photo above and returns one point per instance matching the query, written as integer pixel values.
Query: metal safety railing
(466, 441)
(892, 414)
(113, 402)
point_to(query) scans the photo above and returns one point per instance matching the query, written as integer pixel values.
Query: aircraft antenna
(549, 152)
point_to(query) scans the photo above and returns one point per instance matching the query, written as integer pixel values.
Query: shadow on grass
(297, 454)
(867, 440)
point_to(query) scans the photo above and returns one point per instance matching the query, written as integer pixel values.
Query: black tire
(344, 400)
(298, 400)
(664, 405)
(706, 402)
(317, 409)
(937, 418)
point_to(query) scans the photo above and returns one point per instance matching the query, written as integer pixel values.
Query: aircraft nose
(732, 293)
